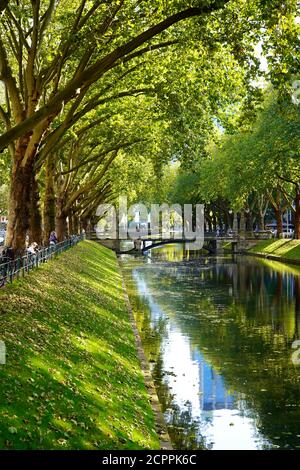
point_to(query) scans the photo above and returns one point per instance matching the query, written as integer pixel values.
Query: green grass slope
(72, 378)
(289, 249)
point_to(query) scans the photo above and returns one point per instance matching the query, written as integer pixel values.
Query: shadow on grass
(72, 378)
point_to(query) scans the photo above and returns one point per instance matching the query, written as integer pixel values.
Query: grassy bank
(72, 378)
(281, 249)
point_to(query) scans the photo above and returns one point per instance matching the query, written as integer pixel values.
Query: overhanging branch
(93, 73)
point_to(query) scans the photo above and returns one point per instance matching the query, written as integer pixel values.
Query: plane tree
(51, 55)
(258, 168)
(59, 61)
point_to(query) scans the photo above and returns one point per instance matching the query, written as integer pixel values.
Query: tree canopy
(94, 92)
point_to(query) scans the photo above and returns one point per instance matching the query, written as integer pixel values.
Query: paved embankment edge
(160, 424)
(272, 257)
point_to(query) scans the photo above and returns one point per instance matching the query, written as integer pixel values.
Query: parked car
(289, 233)
(288, 230)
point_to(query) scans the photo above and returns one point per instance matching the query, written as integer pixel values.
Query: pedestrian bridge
(213, 242)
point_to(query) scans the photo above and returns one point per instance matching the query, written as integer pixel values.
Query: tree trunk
(242, 222)
(249, 223)
(22, 178)
(84, 224)
(261, 221)
(226, 220)
(278, 212)
(60, 220)
(76, 225)
(49, 202)
(297, 214)
(278, 217)
(71, 224)
(215, 223)
(19, 205)
(235, 224)
(35, 226)
(61, 227)
(262, 207)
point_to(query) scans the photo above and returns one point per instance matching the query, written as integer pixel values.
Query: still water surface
(219, 334)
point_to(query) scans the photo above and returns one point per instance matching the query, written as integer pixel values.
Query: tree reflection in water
(231, 323)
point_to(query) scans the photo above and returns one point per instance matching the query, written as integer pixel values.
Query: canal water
(220, 335)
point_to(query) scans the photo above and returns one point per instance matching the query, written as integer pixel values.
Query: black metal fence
(19, 267)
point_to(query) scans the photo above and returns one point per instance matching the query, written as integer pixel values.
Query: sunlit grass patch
(281, 248)
(72, 378)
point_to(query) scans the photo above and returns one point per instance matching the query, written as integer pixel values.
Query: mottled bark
(250, 222)
(35, 222)
(226, 220)
(235, 224)
(278, 217)
(71, 223)
(242, 223)
(19, 202)
(60, 220)
(297, 214)
(76, 224)
(49, 202)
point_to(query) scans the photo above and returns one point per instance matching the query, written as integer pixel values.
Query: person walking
(53, 238)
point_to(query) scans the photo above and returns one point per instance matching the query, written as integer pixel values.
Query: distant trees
(51, 56)
(250, 171)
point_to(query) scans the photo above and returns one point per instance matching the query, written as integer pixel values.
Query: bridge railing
(15, 268)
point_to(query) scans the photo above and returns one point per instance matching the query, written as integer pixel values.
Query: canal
(220, 336)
